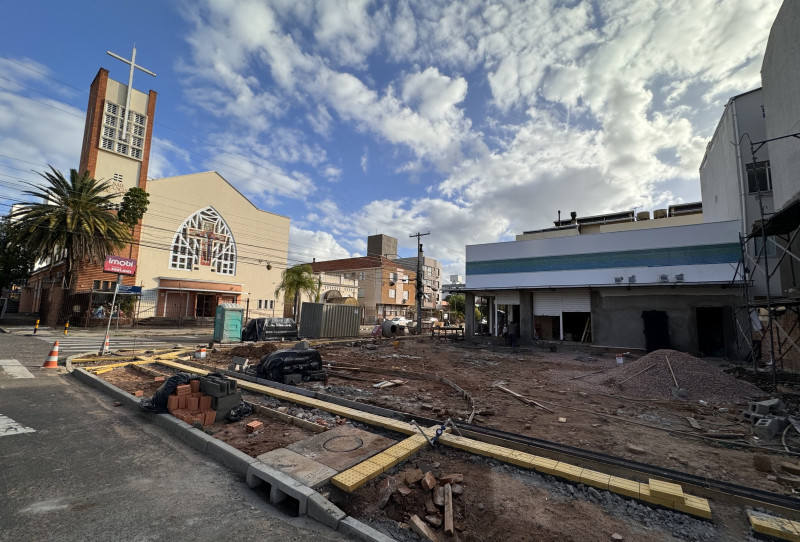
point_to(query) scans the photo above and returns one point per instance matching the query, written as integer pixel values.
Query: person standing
(512, 333)
(505, 334)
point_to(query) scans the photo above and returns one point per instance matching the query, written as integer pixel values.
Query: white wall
(780, 75)
(698, 235)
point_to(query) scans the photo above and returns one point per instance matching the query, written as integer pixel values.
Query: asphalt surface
(74, 468)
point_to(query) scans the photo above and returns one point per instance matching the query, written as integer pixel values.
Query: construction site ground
(639, 419)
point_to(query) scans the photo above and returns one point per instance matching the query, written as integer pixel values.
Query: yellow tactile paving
(570, 472)
(623, 486)
(545, 465)
(521, 459)
(595, 479)
(349, 480)
(666, 490)
(772, 526)
(696, 506)
(646, 496)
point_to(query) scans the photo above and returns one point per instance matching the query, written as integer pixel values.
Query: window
(360, 275)
(259, 303)
(114, 129)
(759, 177)
(95, 285)
(204, 239)
(106, 285)
(405, 295)
(393, 276)
(361, 292)
(118, 177)
(392, 293)
(271, 303)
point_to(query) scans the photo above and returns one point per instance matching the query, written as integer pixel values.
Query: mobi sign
(119, 265)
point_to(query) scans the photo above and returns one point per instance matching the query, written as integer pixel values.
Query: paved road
(75, 468)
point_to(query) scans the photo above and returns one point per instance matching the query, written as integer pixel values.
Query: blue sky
(474, 120)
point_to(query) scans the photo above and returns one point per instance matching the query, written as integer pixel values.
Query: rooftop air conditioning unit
(619, 280)
(664, 278)
(631, 279)
(679, 277)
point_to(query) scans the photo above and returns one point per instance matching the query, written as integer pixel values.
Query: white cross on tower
(133, 65)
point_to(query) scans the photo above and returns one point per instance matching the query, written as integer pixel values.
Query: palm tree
(74, 220)
(294, 281)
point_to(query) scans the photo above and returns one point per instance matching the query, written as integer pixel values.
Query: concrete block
(211, 388)
(767, 428)
(229, 456)
(195, 438)
(324, 511)
(282, 486)
(355, 529)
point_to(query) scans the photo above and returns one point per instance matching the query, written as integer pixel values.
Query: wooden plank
(448, 509)
(525, 399)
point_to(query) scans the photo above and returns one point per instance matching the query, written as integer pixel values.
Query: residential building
(335, 288)
(385, 289)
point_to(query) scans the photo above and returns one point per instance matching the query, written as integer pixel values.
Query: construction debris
(525, 399)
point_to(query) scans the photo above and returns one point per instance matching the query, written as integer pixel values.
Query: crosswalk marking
(80, 345)
(14, 369)
(10, 427)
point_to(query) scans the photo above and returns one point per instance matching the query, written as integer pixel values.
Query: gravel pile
(702, 380)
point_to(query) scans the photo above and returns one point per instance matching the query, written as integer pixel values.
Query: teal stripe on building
(662, 257)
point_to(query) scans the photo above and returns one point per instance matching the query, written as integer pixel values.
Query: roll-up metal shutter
(575, 301)
(547, 304)
(507, 298)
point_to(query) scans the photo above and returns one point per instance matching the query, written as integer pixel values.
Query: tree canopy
(75, 220)
(16, 259)
(296, 280)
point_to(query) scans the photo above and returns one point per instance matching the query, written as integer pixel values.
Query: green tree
(132, 209)
(16, 259)
(457, 305)
(294, 281)
(74, 220)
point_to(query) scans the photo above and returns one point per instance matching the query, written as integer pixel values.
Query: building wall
(617, 316)
(259, 235)
(780, 76)
(703, 253)
(432, 275)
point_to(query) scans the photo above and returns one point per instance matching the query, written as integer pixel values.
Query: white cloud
(306, 245)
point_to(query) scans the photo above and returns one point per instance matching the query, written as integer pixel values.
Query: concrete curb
(281, 486)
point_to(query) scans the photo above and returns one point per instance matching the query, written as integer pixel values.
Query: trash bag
(158, 403)
(240, 412)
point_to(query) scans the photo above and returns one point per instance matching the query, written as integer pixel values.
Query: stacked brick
(189, 404)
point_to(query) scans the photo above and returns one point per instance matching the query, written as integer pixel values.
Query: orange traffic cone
(52, 360)
(105, 347)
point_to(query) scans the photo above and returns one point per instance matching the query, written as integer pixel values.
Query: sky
(471, 120)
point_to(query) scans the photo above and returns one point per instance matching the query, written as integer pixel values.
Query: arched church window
(204, 240)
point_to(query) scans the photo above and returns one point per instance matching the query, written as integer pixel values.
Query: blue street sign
(128, 289)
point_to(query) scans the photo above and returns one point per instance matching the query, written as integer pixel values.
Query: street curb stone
(352, 527)
(282, 486)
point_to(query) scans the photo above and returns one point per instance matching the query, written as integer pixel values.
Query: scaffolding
(776, 341)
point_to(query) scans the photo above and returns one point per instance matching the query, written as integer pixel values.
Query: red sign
(119, 265)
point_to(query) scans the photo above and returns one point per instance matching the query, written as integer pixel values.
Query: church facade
(201, 242)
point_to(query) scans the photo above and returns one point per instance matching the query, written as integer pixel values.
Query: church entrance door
(206, 305)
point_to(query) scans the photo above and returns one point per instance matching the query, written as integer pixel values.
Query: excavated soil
(639, 419)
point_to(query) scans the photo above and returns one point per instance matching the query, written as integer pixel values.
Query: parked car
(400, 321)
(269, 329)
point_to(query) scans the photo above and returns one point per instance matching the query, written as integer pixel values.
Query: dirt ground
(591, 410)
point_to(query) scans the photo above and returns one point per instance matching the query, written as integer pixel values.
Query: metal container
(325, 320)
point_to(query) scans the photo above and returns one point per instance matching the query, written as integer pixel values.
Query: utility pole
(419, 296)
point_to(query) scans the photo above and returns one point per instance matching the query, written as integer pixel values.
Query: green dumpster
(228, 323)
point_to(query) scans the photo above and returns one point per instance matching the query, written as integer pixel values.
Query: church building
(201, 242)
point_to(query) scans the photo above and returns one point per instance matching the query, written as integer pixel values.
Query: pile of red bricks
(187, 403)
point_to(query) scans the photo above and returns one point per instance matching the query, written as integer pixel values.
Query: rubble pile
(421, 502)
(701, 379)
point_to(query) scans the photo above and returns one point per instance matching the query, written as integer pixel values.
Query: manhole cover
(345, 443)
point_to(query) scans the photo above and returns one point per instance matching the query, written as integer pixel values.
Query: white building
(637, 285)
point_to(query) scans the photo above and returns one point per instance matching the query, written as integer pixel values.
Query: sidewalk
(23, 324)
